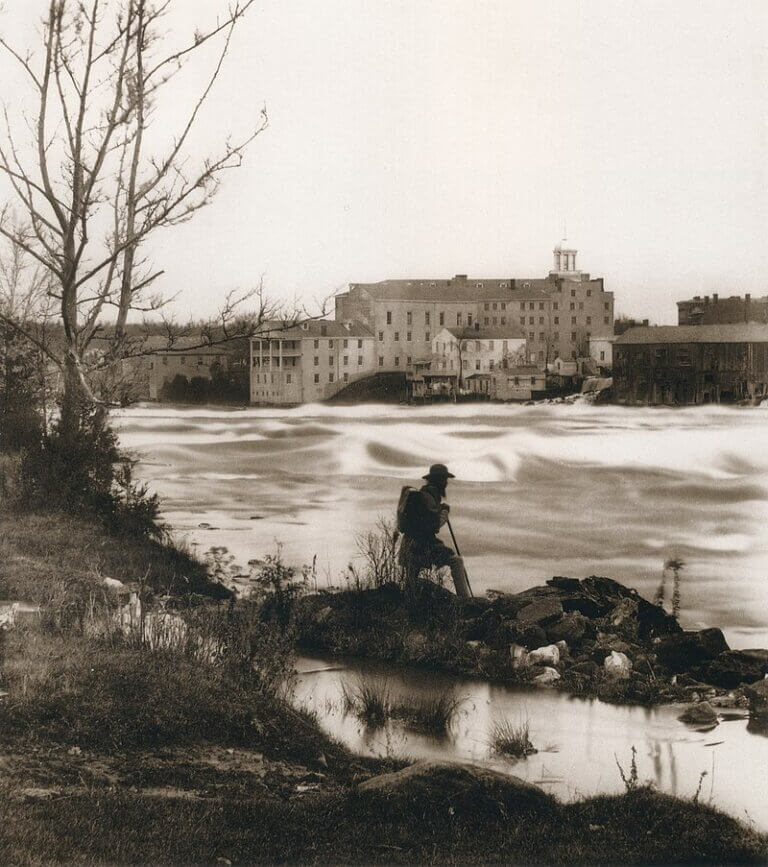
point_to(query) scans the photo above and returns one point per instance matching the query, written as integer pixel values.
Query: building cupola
(564, 256)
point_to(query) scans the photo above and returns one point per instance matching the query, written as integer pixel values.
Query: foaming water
(540, 491)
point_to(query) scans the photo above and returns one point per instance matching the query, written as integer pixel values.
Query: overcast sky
(433, 137)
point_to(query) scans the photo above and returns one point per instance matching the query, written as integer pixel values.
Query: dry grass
(369, 701)
(510, 740)
(432, 713)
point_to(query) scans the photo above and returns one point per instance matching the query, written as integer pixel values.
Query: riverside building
(309, 361)
(557, 314)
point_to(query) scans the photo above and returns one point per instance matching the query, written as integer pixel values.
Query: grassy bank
(123, 748)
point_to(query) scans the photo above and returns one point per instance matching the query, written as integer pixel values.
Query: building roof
(744, 332)
(312, 328)
(495, 332)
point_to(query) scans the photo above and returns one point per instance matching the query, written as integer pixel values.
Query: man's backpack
(410, 510)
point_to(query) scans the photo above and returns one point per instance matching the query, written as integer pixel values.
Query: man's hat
(439, 471)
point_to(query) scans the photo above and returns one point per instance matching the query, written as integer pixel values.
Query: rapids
(540, 491)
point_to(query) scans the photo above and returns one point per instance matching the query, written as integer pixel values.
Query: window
(345, 344)
(442, 318)
(533, 380)
(486, 306)
(408, 336)
(330, 377)
(478, 346)
(607, 305)
(503, 305)
(541, 320)
(330, 344)
(485, 320)
(573, 305)
(317, 377)
(589, 320)
(469, 318)
(531, 336)
(573, 337)
(397, 361)
(317, 360)
(426, 318)
(504, 345)
(522, 320)
(359, 360)
(346, 360)
(503, 320)
(346, 377)
(495, 306)
(589, 293)
(531, 320)
(541, 305)
(409, 318)
(330, 361)
(458, 318)
(573, 354)
(606, 320)
(573, 293)
(359, 344)
(554, 305)
(317, 344)
(427, 336)
(389, 317)
(397, 335)
(381, 361)
(541, 335)
(522, 305)
(408, 361)
(573, 320)
(464, 364)
(381, 336)
(477, 364)
(517, 380)
(490, 364)
(531, 306)
(288, 378)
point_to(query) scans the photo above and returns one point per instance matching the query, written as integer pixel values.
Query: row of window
(200, 359)
(344, 360)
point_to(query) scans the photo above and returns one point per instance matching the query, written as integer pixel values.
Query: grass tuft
(508, 739)
(368, 700)
(433, 712)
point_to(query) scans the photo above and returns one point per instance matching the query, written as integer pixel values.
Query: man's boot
(459, 575)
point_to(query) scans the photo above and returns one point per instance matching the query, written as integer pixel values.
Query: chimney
(747, 298)
(460, 277)
(706, 299)
(714, 297)
(645, 323)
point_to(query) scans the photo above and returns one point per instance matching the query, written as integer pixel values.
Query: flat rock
(701, 714)
(540, 613)
(685, 650)
(730, 669)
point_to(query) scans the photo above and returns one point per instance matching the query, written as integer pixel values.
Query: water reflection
(579, 741)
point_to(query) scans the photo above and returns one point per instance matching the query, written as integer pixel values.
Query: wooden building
(691, 364)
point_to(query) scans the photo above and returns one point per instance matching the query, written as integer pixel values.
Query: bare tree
(91, 187)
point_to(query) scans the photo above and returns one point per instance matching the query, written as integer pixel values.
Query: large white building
(468, 351)
(558, 314)
(308, 362)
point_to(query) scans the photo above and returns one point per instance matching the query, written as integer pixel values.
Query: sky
(425, 138)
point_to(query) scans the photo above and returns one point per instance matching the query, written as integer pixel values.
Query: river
(540, 491)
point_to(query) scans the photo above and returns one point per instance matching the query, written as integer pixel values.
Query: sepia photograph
(383, 417)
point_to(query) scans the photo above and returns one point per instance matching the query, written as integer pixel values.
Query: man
(420, 548)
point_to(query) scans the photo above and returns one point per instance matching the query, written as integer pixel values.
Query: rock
(547, 655)
(518, 654)
(757, 695)
(547, 677)
(617, 664)
(729, 700)
(40, 794)
(8, 615)
(701, 714)
(624, 612)
(562, 647)
(113, 584)
(540, 613)
(74, 751)
(608, 641)
(531, 637)
(685, 650)
(443, 789)
(571, 628)
(730, 669)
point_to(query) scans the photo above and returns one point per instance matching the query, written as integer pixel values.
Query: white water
(540, 491)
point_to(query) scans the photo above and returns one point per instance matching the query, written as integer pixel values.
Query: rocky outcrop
(450, 790)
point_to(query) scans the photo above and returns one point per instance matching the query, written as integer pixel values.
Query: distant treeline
(225, 386)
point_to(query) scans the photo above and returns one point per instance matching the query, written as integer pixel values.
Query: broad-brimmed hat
(439, 471)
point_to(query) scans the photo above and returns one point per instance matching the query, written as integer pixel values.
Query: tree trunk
(76, 399)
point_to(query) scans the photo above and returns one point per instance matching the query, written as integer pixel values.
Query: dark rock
(572, 585)
(685, 650)
(586, 605)
(571, 628)
(540, 613)
(509, 605)
(731, 668)
(624, 618)
(757, 695)
(531, 637)
(701, 714)
(442, 788)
